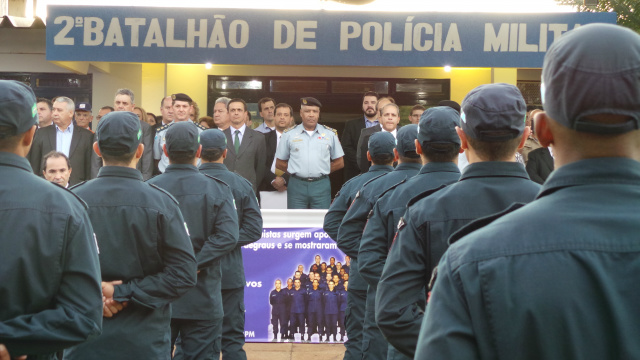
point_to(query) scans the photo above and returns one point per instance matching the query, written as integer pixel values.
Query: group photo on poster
(297, 282)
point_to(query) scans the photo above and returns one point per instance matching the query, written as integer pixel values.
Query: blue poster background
(277, 256)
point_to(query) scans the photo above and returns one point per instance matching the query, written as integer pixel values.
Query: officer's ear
(418, 147)
(96, 149)
(199, 151)
(464, 145)
(396, 155)
(368, 155)
(542, 130)
(224, 153)
(164, 150)
(139, 151)
(525, 136)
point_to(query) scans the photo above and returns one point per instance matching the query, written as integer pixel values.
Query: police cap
(310, 101)
(183, 137)
(381, 142)
(406, 139)
(118, 133)
(438, 126)
(213, 139)
(18, 108)
(83, 106)
(181, 97)
(493, 113)
(594, 69)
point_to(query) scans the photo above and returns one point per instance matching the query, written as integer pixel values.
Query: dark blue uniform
(484, 188)
(571, 256)
(331, 308)
(341, 311)
(298, 310)
(314, 312)
(207, 206)
(382, 225)
(332, 221)
(233, 279)
(349, 236)
(156, 267)
(279, 301)
(49, 268)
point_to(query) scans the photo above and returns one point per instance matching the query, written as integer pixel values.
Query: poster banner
(304, 37)
(277, 255)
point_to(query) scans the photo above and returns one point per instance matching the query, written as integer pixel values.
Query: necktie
(236, 141)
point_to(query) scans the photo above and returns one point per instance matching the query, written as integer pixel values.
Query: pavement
(294, 351)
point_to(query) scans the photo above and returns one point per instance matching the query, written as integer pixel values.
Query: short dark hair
(181, 157)
(8, 138)
(46, 101)
(370, 93)
(53, 155)
(416, 107)
(212, 154)
(494, 150)
(118, 160)
(263, 101)
(440, 152)
(108, 107)
(284, 105)
(382, 159)
(410, 157)
(237, 100)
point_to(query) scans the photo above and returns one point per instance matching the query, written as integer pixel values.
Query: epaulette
(335, 132)
(424, 194)
(393, 187)
(166, 192)
(289, 129)
(201, 127)
(482, 222)
(373, 178)
(74, 194)
(164, 127)
(215, 178)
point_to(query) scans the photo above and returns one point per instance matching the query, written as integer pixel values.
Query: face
(369, 106)
(289, 283)
(332, 261)
(151, 120)
(44, 113)
(267, 111)
(317, 276)
(237, 114)
(57, 171)
(83, 118)
(310, 116)
(297, 275)
(329, 270)
(315, 284)
(278, 285)
(415, 116)
(61, 115)
(331, 285)
(323, 267)
(339, 266)
(123, 103)
(282, 118)
(296, 283)
(192, 114)
(390, 119)
(138, 112)
(204, 124)
(221, 116)
(167, 110)
(381, 104)
(102, 113)
(300, 268)
(181, 111)
(345, 277)
(336, 279)
(318, 259)
(247, 119)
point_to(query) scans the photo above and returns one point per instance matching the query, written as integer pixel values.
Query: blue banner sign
(285, 37)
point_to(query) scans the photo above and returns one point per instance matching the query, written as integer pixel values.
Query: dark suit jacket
(540, 165)
(363, 147)
(349, 142)
(80, 152)
(145, 165)
(271, 140)
(250, 160)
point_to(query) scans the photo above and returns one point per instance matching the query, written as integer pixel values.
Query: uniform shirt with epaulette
(49, 268)
(143, 242)
(159, 141)
(483, 189)
(309, 154)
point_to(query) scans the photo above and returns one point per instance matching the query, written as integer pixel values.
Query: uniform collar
(216, 166)
(408, 166)
(439, 167)
(600, 171)
(181, 167)
(120, 171)
(11, 159)
(494, 169)
(302, 129)
(375, 168)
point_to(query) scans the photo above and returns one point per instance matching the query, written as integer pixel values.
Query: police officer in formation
(279, 299)
(214, 151)
(382, 155)
(330, 309)
(49, 269)
(315, 316)
(492, 130)
(298, 299)
(212, 222)
(556, 278)
(438, 145)
(350, 234)
(142, 271)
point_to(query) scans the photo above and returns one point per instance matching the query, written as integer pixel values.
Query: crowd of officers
(483, 263)
(312, 303)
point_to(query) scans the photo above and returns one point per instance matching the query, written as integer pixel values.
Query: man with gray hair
(221, 114)
(73, 141)
(125, 101)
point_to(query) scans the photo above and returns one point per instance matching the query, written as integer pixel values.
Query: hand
(279, 184)
(4, 354)
(111, 307)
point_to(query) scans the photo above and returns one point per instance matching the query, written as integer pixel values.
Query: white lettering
(453, 39)
(437, 37)
(154, 34)
(200, 33)
(171, 40)
(238, 27)
(302, 35)
(366, 36)
(493, 42)
(61, 37)
(93, 35)
(346, 34)
(217, 38)
(387, 45)
(513, 37)
(558, 29)
(408, 33)
(277, 34)
(135, 24)
(522, 41)
(114, 34)
(417, 36)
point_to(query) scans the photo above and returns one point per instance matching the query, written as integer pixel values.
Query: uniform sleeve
(335, 214)
(373, 246)
(178, 274)
(350, 231)
(76, 310)
(447, 331)
(251, 228)
(225, 234)
(147, 154)
(282, 151)
(157, 147)
(336, 148)
(399, 310)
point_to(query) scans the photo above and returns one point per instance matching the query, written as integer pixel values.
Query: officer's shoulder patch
(201, 127)
(424, 194)
(163, 127)
(216, 179)
(165, 192)
(393, 187)
(289, 129)
(482, 222)
(335, 132)
(74, 194)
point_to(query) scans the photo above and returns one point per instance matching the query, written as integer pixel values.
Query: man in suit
(267, 108)
(540, 164)
(75, 142)
(275, 179)
(247, 148)
(351, 134)
(365, 134)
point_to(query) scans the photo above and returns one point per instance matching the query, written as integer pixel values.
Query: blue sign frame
(287, 37)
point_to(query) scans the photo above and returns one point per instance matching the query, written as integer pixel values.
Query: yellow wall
(152, 87)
